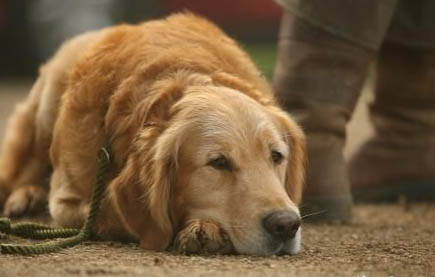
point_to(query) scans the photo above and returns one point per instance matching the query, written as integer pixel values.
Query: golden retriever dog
(202, 157)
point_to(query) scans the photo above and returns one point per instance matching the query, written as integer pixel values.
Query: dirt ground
(382, 240)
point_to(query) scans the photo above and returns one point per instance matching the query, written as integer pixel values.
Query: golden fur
(167, 96)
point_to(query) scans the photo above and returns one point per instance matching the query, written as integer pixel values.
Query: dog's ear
(164, 93)
(130, 197)
(295, 138)
(142, 191)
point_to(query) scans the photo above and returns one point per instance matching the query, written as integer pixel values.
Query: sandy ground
(382, 240)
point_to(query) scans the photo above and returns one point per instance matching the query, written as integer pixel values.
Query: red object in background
(255, 17)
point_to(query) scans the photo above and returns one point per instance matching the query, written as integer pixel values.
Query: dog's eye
(220, 163)
(277, 157)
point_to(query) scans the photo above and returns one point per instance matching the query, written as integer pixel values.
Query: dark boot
(318, 79)
(400, 158)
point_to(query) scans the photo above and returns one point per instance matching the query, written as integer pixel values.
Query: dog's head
(214, 153)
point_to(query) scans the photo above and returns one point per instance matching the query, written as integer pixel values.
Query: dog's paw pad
(203, 237)
(25, 200)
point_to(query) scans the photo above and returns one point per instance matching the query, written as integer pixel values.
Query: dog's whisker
(314, 213)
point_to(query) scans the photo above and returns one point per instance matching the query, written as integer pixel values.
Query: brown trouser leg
(399, 160)
(318, 80)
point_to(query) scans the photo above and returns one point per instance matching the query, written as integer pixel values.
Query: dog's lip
(271, 247)
(275, 247)
(225, 234)
(279, 248)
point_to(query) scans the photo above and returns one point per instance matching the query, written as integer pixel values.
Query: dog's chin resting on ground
(203, 160)
(206, 237)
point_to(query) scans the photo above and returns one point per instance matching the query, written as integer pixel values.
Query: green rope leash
(68, 237)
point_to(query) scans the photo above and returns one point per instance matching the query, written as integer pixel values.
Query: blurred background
(31, 31)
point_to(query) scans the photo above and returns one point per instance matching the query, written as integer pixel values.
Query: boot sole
(411, 191)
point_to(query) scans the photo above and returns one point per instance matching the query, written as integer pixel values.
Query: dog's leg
(24, 163)
(202, 237)
(66, 204)
(69, 207)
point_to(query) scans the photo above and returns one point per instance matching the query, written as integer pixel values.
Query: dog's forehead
(230, 110)
(230, 119)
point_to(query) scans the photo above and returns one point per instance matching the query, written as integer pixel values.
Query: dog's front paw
(202, 237)
(25, 200)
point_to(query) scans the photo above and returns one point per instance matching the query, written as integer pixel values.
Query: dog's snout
(282, 225)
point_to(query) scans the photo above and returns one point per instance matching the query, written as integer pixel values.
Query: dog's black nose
(282, 225)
